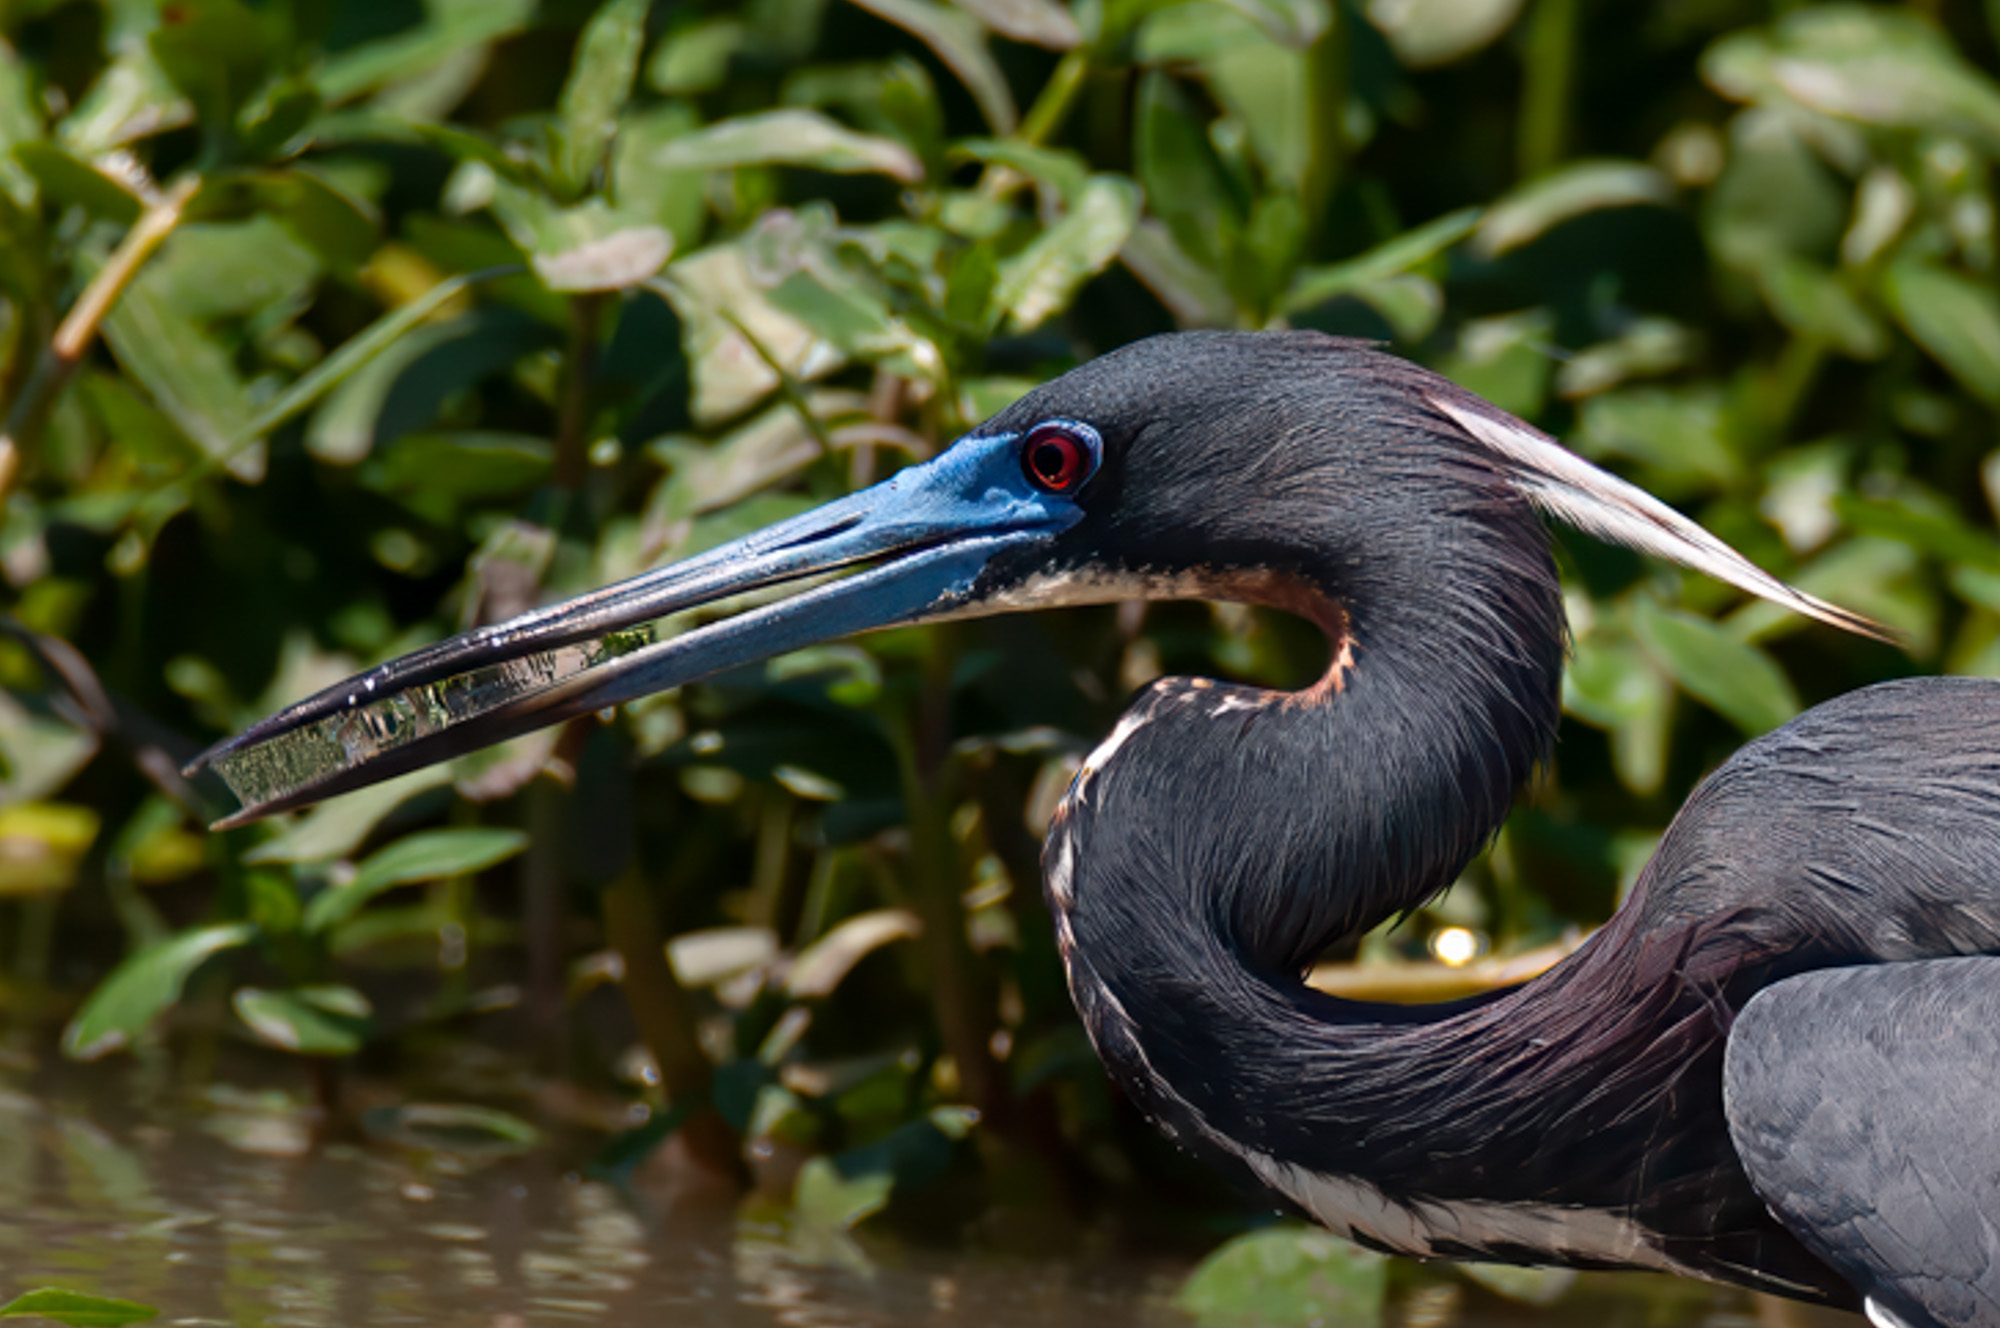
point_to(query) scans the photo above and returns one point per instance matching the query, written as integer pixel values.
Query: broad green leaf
(958, 40)
(335, 829)
(696, 58)
(1036, 22)
(39, 753)
(590, 247)
(333, 224)
(1813, 303)
(441, 475)
(1955, 318)
(1506, 360)
(307, 1021)
(1730, 676)
(1647, 347)
(1284, 1276)
(143, 986)
(1412, 248)
(1539, 206)
(20, 123)
(822, 1197)
(723, 308)
(1424, 33)
(66, 179)
(76, 1308)
(1043, 278)
(132, 99)
(430, 856)
(1776, 197)
(1186, 186)
(450, 26)
(1191, 291)
(1062, 172)
(600, 83)
(190, 376)
(1676, 432)
(1266, 89)
(210, 272)
(673, 200)
(1612, 684)
(790, 137)
(215, 53)
(1866, 63)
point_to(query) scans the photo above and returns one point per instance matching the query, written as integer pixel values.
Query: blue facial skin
(935, 526)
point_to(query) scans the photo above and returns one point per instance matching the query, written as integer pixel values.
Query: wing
(1865, 1103)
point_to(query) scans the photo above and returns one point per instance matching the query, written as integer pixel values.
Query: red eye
(1055, 460)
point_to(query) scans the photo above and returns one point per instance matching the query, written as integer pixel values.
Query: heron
(1774, 1067)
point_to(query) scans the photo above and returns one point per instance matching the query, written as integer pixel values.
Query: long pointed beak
(912, 548)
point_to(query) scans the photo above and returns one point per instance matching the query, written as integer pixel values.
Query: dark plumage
(1223, 836)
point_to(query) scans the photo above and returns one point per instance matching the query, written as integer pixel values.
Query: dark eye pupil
(1054, 461)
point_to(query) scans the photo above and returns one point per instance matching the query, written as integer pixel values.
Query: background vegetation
(330, 329)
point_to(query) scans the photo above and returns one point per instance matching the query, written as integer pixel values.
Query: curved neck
(1224, 836)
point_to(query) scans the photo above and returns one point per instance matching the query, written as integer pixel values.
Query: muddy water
(218, 1208)
(216, 1217)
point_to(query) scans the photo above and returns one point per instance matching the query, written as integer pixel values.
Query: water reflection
(197, 1214)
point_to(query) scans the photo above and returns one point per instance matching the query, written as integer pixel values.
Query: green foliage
(76, 1309)
(1284, 1276)
(326, 331)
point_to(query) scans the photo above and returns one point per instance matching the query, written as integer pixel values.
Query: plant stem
(1549, 70)
(65, 351)
(665, 1018)
(1052, 105)
(1326, 120)
(573, 412)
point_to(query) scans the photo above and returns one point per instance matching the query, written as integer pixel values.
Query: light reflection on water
(157, 1209)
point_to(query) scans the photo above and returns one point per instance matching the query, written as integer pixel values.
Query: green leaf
(66, 179)
(1814, 303)
(590, 247)
(1185, 184)
(450, 27)
(791, 137)
(132, 99)
(1042, 279)
(1036, 22)
(1284, 1276)
(1613, 685)
(348, 360)
(214, 52)
(430, 856)
(822, 1197)
(1538, 207)
(76, 1309)
(1411, 249)
(143, 986)
(189, 375)
(670, 199)
(1730, 676)
(1266, 88)
(696, 58)
(600, 83)
(1955, 318)
(958, 40)
(1062, 172)
(1424, 33)
(1865, 63)
(307, 1021)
